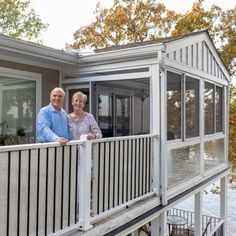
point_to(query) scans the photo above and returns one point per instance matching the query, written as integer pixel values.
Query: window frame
(27, 76)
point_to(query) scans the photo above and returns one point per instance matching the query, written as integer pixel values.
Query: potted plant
(21, 133)
(3, 137)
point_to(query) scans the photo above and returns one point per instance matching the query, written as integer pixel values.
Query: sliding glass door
(114, 117)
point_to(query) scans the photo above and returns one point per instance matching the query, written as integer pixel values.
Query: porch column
(198, 202)
(154, 127)
(223, 205)
(155, 227)
(162, 223)
(84, 184)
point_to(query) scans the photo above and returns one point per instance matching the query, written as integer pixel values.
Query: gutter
(22, 47)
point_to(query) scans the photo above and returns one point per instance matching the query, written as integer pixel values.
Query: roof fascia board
(29, 62)
(35, 50)
(123, 54)
(85, 69)
(126, 76)
(216, 55)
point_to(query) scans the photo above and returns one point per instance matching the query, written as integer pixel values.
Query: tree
(19, 21)
(232, 135)
(129, 21)
(220, 25)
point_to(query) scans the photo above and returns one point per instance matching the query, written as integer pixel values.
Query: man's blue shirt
(51, 124)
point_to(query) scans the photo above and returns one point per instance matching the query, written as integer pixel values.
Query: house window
(18, 104)
(192, 107)
(219, 111)
(173, 106)
(209, 108)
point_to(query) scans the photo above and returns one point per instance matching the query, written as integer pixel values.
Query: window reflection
(209, 108)
(213, 153)
(173, 106)
(192, 107)
(219, 114)
(18, 109)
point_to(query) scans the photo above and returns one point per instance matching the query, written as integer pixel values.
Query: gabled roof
(164, 41)
(159, 40)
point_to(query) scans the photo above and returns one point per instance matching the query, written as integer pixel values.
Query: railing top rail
(74, 142)
(36, 146)
(125, 138)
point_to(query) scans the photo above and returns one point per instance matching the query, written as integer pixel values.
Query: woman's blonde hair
(79, 95)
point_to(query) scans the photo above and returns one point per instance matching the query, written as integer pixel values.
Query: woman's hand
(91, 136)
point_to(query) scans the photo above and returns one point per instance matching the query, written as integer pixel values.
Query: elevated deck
(48, 189)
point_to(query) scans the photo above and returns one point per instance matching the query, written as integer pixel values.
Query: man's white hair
(58, 90)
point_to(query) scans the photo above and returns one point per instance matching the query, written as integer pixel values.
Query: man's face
(57, 99)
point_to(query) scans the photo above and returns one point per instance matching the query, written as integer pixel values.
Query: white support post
(163, 224)
(163, 136)
(198, 201)
(202, 127)
(155, 116)
(223, 205)
(84, 188)
(155, 227)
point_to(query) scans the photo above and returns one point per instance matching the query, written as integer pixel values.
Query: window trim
(28, 76)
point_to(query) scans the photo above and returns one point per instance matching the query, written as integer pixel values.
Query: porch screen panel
(192, 107)
(219, 113)
(209, 108)
(19, 106)
(173, 106)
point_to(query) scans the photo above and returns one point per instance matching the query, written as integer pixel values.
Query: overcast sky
(65, 16)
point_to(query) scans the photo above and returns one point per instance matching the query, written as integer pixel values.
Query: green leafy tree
(18, 20)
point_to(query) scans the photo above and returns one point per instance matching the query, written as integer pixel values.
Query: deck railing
(122, 171)
(46, 188)
(38, 188)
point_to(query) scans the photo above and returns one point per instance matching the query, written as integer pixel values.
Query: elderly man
(52, 125)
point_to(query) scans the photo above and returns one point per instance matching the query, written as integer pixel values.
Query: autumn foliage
(130, 21)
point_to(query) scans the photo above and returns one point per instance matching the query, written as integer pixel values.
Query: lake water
(211, 206)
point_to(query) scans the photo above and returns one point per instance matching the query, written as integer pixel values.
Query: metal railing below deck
(209, 223)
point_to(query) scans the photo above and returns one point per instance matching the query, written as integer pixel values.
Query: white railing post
(156, 165)
(198, 201)
(223, 201)
(84, 188)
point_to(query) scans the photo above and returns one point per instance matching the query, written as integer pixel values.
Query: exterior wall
(50, 77)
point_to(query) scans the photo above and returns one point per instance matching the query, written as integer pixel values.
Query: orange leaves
(126, 21)
(129, 21)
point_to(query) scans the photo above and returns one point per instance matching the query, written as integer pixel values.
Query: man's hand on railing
(62, 141)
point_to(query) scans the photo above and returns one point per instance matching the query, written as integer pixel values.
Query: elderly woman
(81, 122)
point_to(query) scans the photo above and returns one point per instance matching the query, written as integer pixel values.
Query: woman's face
(78, 103)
